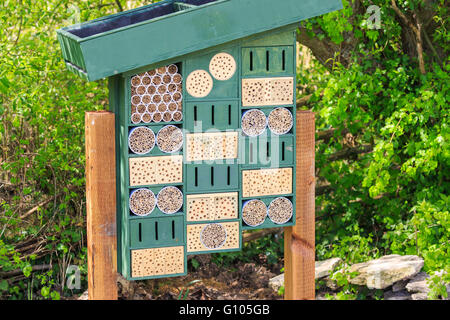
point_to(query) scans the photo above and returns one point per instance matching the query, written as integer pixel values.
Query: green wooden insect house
(203, 93)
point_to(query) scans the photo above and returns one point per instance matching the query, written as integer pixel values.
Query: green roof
(132, 39)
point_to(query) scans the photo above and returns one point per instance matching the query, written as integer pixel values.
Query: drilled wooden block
(156, 170)
(222, 66)
(266, 182)
(218, 206)
(211, 146)
(194, 237)
(267, 91)
(157, 262)
(199, 83)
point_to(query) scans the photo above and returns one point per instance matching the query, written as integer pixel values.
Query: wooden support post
(101, 205)
(299, 242)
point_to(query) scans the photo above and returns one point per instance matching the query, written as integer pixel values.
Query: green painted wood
(205, 178)
(221, 89)
(266, 151)
(179, 33)
(157, 232)
(267, 61)
(218, 115)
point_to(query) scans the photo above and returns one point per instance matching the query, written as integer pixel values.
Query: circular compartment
(161, 70)
(141, 108)
(162, 88)
(280, 121)
(157, 117)
(280, 210)
(172, 106)
(254, 212)
(253, 122)
(141, 140)
(135, 81)
(136, 100)
(169, 139)
(172, 87)
(156, 98)
(222, 66)
(162, 107)
(172, 69)
(199, 84)
(151, 107)
(146, 80)
(156, 80)
(213, 236)
(142, 202)
(167, 78)
(177, 78)
(152, 73)
(151, 90)
(141, 90)
(146, 117)
(136, 118)
(146, 99)
(177, 116)
(167, 97)
(167, 116)
(170, 200)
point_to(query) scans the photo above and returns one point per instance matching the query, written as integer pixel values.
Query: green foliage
(395, 198)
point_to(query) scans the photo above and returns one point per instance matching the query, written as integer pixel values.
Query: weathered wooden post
(299, 242)
(101, 205)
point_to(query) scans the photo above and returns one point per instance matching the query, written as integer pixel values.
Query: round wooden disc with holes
(199, 83)
(222, 66)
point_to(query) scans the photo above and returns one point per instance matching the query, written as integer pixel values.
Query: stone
(84, 296)
(399, 286)
(399, 295)
(324, 268)
(419, 296)
(276, 282)
(385, 271)
(418, 283)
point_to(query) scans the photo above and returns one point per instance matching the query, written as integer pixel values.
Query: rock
(399, 295)
(384, 272)
(84, 296)
(418, 283)
(399, 286)
(330, 283)
(419, 296)
(324, 268)
(276, 282)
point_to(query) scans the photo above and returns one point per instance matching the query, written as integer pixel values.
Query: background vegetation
(381, 103)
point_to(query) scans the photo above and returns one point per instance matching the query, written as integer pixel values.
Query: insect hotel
(204, 97)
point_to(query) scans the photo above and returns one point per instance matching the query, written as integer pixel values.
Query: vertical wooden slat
(299, 242)
(101, 205)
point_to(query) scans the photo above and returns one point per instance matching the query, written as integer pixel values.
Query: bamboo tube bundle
(254, 212)
(141, 140)
(213, 236)
(254, 122)
(142, 202)
(280, 210)
(170, 200)
(280, 121)
(152, 94)
(169, 139)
